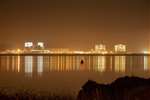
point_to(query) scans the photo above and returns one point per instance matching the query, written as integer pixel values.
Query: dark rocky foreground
(126, 88)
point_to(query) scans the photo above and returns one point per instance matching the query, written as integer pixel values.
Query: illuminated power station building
(120, 48)
(100, 48)
(28, 45)
(38, 48)
(40, 45)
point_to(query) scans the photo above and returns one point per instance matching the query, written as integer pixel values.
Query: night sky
(75, 24)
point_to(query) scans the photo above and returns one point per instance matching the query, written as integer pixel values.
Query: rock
(125, 88)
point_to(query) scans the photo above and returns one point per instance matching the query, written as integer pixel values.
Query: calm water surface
(68, 72)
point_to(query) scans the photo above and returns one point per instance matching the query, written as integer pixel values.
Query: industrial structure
(39, 47)
(100, 48)
(120, 48)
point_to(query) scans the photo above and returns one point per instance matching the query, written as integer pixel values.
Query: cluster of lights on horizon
(72, 63)
(64, 63)
(39, 48)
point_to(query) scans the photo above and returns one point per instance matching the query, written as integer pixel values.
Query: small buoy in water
(81, 62)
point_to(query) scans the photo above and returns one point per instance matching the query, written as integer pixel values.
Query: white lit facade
(100, 48)
(40, 44)
(119, 48)
(28, 44)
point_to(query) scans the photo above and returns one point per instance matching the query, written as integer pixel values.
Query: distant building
(40, 45)
(100, 48)
(28, 44)
(38, 48)
(120, 48)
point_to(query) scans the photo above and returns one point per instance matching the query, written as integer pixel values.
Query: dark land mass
(125, 88)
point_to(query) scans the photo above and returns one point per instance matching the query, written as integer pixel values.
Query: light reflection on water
(120, 63)
(64, 72)
(40, 64)
(28, 65)
(18, 63)
(101, 63)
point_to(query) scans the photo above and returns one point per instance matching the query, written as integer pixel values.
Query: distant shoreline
(69, 54)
